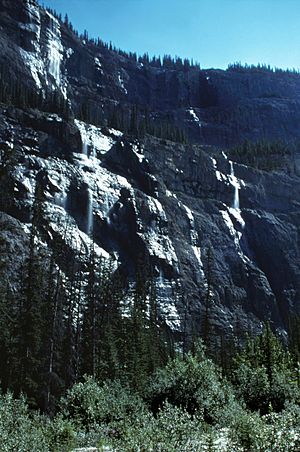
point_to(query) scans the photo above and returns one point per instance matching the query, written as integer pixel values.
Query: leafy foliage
(23, 431)
(192, 383)
(90, 403)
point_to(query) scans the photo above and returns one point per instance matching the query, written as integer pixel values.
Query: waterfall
(84, 145)
(89, 215)
(84, 136)
(107, 208)
(54, 59)
(236, 185)
(55, 49)
(160, 278)
(84, 139)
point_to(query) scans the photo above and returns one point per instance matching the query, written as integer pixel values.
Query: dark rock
(167, 202)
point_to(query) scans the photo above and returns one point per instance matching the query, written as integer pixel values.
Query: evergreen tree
(263, 373)
(8, 159)
(208, 301)
(32, 307)
(52, 334)
(89, 347)
(8, 302)
(134, 121)
(68, 340)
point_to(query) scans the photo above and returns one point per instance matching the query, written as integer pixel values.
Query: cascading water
(84, 136)
(107, 207)
(84, 145)
(160, 278)
(55, 49)
(236, 185)
(89, 215)
(235, 208)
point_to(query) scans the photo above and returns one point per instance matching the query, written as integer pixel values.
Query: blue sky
(212, 32)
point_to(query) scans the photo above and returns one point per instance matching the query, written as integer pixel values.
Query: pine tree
(67, 367)
(89, 347)
(265, 367)
(109, 305)
(32, 307)
(8, 302)
(8, 160)
(294, 338)
(52, 333)
(159, 344)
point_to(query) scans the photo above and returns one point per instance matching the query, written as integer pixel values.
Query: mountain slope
(182, 207)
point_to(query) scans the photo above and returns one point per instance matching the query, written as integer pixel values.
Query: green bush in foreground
(89, 403)
(171, 430)
(270, 433)
(187, 406)
(22, 430)
(109, 415)
(19, 430)
(195, 384)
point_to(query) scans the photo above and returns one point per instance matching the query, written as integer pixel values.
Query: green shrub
(61, 435)
(193, 383)
(270, 433)
(247, 432)
(283, 430)
(19, 429)
(89, 403)
(171, 430)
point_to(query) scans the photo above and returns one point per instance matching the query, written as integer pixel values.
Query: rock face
(172, 203)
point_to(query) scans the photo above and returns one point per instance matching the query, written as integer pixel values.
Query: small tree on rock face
(8, 160)
(134, 121)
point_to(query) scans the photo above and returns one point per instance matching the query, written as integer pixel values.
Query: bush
(247, 431)
(270, 433)
(172, 429)
(283, 430)
(22, 430)
(19, 429)
(192, 383)
(89, 403)
(61, 435)
(110, 417)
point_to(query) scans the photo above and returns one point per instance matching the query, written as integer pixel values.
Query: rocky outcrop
(170, 203)
(215, 107)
